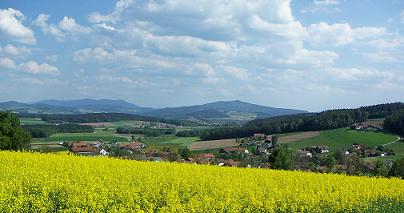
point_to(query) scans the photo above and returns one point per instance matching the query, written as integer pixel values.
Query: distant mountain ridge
(224, 108)
(100, 105)
(215, 111)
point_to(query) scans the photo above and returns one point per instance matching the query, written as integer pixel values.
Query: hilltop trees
(395, 123)
(12, 136)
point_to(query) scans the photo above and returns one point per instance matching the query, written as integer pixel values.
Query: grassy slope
(169, 141)
(343, 138)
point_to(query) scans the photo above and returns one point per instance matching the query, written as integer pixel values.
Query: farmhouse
(204, 158)
(83, 148)
(304, 153)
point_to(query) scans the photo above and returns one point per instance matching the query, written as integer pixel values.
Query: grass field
(213, 144)
(169, 141)
(31, 121)
(34, 182)
(344, 138)
(284, 139)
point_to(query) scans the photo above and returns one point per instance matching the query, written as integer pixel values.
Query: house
(262, 150)
(268, 139)
(304, 153)
(103, 152)
(259, 135)
(83, 148)
(230, 163)
(97, 144)
(357, 146)
(204, 158)
(318, 149)
(134, 146)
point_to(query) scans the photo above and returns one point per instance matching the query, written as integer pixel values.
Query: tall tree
(281, 158)
(12, 136)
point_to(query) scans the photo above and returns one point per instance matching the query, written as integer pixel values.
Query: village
(253, 151)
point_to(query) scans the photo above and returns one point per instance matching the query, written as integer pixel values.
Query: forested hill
(101, 117)
(330, 119)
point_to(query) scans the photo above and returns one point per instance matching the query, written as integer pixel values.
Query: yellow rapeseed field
(33, 182)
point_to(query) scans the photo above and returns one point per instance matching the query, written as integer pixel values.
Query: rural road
(398, 138)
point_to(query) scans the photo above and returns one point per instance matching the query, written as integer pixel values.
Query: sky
(304, 54)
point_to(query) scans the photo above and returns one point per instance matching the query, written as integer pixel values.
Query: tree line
(149, 132)
(101, 117)
(395, 123)
(46, 130)
(330, 119)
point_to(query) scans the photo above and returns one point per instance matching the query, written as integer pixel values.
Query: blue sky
(312, 55)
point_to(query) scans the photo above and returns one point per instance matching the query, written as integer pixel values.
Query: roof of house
(234, 149)
(86, 148)
(205, 155)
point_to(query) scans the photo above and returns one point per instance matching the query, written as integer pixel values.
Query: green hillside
(343, 138)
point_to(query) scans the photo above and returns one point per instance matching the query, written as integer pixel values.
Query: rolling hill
(231, 110)
(220, 111)
(101, 105)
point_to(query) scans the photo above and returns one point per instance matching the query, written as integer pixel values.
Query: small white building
(103, 152)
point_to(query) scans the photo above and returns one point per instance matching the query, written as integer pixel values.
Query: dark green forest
(330, 119)
(46, 130)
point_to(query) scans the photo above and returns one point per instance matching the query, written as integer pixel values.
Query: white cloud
(101, 55)
(41, 21)
(7, 63)
(184, 45)
(67, 26)
(358, 73)
(15, 51)
(291, 29)
(123, 79)
(237, 72)
(326, 2)
(324, 34)
(34, 67)
(11, 27)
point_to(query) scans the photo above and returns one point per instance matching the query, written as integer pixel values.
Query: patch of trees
(102, 117)
(395, 123)
(330, 119)
(12, 136)
(149, 132)
(46, 130)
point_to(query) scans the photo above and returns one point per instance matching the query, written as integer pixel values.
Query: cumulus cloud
(67, 26)
(7, 63)
(11, 27)
(324, 34)
(34, 67)
(15, 51)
